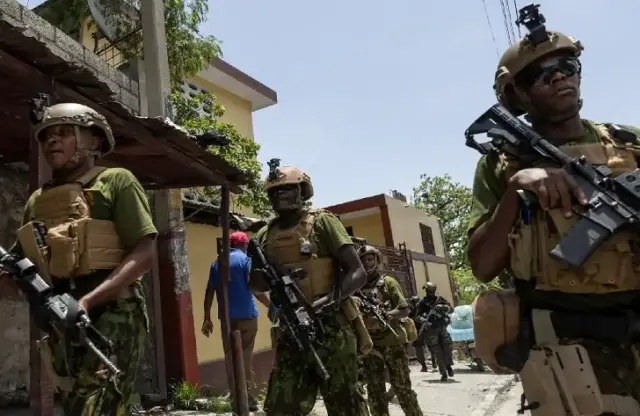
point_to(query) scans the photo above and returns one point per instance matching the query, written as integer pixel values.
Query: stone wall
(14, 313)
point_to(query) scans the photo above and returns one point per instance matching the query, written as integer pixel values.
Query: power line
(493, 36)
(515, 8)
(511, 22)
(506, 22)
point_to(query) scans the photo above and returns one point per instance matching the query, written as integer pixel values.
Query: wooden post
(231, 344)
(41, 389)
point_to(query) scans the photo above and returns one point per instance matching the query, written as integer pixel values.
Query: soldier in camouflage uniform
(110, 210)
(389, 350)
(594, 307)
(316, 241)
(436, 335)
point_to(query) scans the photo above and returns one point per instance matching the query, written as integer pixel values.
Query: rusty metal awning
(36, 57)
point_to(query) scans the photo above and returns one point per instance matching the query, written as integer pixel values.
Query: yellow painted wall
(438, 274)
(405, 226)
(201, 246)
(420, 274)
(368, 227)
(237, 110)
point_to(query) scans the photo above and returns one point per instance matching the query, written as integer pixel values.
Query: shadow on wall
(14, 325)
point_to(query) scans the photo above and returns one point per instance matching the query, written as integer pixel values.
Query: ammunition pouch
(75, 248)
(501, 334)
(31, 240)
(410, 328)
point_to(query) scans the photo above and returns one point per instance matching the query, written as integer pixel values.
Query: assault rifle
(53, 313)
(613, 203)
(293, 308)
(427, 320)
(371, 306)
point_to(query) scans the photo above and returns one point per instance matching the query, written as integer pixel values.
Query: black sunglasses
(542, 73)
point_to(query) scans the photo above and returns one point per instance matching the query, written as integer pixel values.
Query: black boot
(444, 377)
(450, 371)
(424, 368)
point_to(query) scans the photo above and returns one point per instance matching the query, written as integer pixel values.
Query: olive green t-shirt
(330, 234)
(115, 195)
(490, 183)
(391, 297)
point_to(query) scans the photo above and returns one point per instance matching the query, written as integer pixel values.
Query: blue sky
(372, 94)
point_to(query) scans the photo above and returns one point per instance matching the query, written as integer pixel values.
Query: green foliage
(451, 202)
(189, 53)
(469, 287)
(241, 151)
(186, 396)
(188, 50)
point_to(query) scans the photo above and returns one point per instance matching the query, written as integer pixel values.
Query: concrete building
(410, 239)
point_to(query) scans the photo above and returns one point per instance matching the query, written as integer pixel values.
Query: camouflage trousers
(395, 360)
(294, 382)
(125, 323)
(439, 342)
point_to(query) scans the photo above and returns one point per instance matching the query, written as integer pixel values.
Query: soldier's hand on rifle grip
(258, 281)
(554, 187)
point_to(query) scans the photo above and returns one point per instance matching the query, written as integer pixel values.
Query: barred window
(427, 239)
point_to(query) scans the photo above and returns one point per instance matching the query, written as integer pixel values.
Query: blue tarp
(461, 327)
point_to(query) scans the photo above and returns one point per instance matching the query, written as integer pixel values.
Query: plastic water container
(461, 326)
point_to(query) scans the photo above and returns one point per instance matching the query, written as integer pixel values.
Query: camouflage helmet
(289, 175)
(367, 249)
(520, 55)
(77, 115)
(430, 287)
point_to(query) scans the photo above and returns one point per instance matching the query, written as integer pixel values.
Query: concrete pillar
(179, 331)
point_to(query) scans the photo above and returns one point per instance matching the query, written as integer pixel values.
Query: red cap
(238, 237)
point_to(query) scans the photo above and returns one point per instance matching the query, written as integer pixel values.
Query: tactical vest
(405, 327)
(295, 248)
(74, 244)
(371, 322)
(612, 268)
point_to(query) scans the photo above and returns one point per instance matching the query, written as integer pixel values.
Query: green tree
(241, 149)
(189, 52)
(469, 287)
(188, 49)
(451, 202)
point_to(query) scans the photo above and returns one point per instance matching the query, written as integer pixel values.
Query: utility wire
(515, 7)
(493, 36)
(506, 22)
(511, 21)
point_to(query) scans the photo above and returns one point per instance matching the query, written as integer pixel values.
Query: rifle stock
(613, 203)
